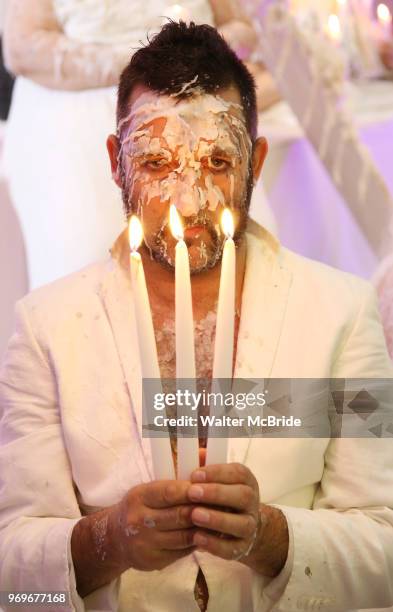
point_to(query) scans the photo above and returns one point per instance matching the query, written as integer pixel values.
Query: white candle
(160, 447)
(385, 20)
(187, 448)
(225, 329)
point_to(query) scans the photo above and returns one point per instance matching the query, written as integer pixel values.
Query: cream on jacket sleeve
(35, 47)
(343, 546)
(38, 505)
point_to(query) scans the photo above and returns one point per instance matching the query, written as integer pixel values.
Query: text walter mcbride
(250, 421)
(228, 421)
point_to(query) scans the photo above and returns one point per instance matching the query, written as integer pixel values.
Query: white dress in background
(55, 154)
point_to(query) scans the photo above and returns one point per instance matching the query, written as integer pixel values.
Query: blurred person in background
(6, 84)
(6, 80)
(386, 45)
(68, 57)
(386, 53)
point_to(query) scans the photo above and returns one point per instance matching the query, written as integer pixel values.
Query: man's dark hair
(178, 54)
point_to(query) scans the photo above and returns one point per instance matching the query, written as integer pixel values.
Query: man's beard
(209, 252)
(204, 253)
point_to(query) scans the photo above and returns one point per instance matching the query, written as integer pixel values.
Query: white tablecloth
(312, 218)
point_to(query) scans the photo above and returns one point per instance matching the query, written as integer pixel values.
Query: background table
(312, 218)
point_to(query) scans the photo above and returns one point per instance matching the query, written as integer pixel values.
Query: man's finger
(176, 540)
(231, 548)
(165, 493)
(226, 473)
(237, 525)
(238, 497)
(168, 519)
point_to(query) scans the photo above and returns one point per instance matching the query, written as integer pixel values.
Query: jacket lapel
(115, 293)
(265, 296)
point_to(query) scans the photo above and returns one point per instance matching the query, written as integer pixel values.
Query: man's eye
(218, 163)
(155, 164)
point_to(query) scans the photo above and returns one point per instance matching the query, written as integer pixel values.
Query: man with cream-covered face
(195, 150)
(285, 524)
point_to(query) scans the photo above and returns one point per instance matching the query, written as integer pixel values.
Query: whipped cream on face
(192, 130)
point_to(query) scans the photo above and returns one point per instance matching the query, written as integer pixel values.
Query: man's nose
(190, 202)
(188, 198)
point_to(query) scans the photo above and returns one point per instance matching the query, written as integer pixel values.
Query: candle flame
(227, 223)
(175, 223)
(384, 15)
(135, 233)
(334, 27)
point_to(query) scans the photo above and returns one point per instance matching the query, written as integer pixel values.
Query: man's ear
(260, 150)
(113, 147)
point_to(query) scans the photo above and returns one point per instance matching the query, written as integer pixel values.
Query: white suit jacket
(70, 392)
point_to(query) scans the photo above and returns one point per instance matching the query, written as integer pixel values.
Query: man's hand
(234, 525)
(148, 529)
(154, 524)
